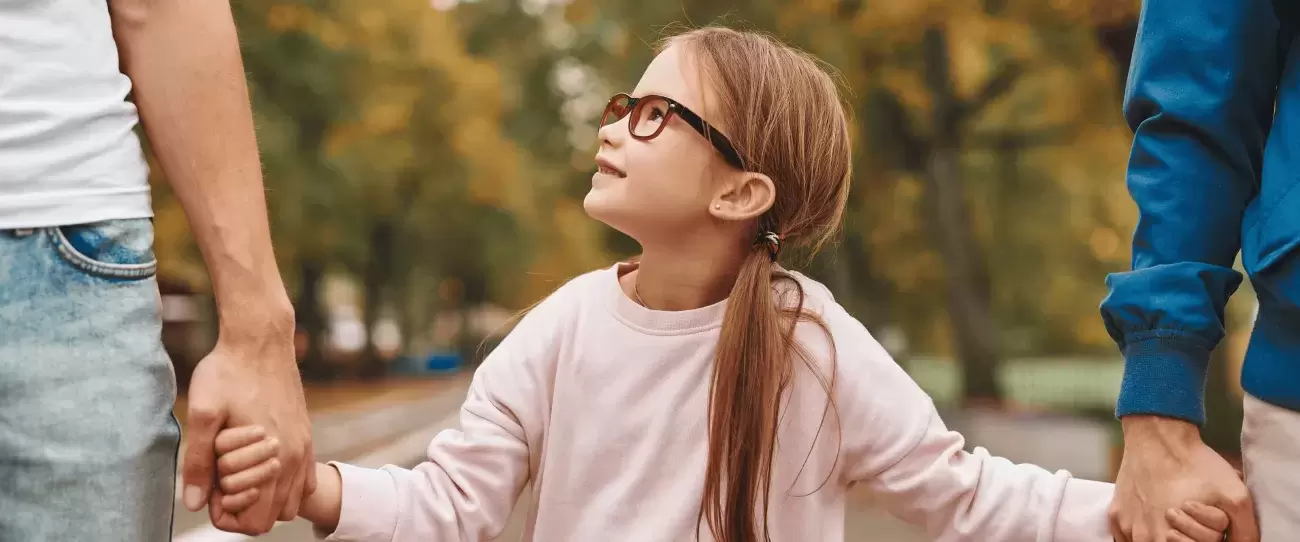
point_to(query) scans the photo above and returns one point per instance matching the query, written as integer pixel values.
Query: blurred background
(426, 160)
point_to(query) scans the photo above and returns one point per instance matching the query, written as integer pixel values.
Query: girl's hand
(246, 460)
(1196, 522)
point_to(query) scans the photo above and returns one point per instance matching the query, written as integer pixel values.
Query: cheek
(671, 172)
(666, 186)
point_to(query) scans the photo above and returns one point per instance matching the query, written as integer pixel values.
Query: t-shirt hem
(67, 210)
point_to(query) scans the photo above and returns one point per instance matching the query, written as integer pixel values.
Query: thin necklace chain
(637, 292)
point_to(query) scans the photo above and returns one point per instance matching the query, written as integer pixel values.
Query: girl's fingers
(238, 437)
(248, 456)
(1207, 515)
(250, 478)
(1190, 528)
(234, 504)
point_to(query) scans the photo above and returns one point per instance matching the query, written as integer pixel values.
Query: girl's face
(662, 187)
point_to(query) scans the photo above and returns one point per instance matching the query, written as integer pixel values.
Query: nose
(613, 134)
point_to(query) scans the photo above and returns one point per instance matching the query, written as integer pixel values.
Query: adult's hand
(1166, 465)
(250, 378)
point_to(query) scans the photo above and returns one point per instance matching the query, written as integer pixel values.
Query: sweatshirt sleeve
(467, 487)
(1199, 100)
(897, 445)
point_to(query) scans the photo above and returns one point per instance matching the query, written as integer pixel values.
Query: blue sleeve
(1200, 101)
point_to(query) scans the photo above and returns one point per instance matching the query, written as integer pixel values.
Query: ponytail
(787, 121)
(752, 370)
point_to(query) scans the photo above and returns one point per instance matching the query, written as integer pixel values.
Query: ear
(746, 197)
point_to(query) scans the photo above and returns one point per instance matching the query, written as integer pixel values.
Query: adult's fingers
(309, 464)
(294, 500)
(1149, 530)
(1120, 530)
(229, 521)
(235, 504)
(216, 511)
(1243, 526)
(204, 422)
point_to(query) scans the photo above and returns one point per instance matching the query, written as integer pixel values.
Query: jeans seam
(176, 461)
(90, 265)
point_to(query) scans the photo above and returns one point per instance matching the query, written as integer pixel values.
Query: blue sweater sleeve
(1199, 100)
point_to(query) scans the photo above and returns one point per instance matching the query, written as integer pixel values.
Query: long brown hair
(783, 112)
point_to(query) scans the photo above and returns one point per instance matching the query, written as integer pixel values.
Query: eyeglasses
(650, 113)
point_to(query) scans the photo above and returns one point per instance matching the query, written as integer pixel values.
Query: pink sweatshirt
(602, 404)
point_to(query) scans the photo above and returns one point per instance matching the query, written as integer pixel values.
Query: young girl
(702, 390)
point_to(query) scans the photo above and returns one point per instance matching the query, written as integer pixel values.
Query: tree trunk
(404, 303)
(974, 332)
(311, 319)
(376, 277)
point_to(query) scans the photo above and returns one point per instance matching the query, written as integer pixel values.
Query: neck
(684, 277)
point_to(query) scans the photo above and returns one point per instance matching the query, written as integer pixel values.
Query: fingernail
(193, 497)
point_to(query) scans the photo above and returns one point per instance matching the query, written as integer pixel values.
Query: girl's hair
(783, 112)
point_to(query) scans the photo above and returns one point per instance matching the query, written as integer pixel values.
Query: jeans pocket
(115, 249)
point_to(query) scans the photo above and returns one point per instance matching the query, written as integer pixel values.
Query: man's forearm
(1199, 99)
(183, 60)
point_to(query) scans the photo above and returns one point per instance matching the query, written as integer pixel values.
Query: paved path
(862, 523)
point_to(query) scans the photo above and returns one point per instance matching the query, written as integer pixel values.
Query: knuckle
(1239, 498)
(203, 414)
(195, 470)
(265, 525)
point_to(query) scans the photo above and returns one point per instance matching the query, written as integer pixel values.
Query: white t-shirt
(68, 152)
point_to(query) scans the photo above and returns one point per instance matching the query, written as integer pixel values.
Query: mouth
(607, 168)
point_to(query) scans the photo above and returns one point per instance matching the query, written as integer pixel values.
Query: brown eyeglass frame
(715, 137)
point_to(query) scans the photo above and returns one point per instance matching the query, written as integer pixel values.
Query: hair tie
(772, 241)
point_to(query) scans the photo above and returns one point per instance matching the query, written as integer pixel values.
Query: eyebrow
(644, 94)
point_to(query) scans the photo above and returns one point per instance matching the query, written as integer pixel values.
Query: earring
(717, 207)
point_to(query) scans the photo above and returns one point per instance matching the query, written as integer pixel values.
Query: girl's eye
(656, 113)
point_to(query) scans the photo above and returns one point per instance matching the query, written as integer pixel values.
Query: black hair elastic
(772, 241)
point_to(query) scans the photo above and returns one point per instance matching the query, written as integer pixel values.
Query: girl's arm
(895, 443)
(467, 487)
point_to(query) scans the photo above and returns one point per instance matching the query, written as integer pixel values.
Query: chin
(599, 207)
(615, 214)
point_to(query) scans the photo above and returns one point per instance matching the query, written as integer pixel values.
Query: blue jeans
(88, 441)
